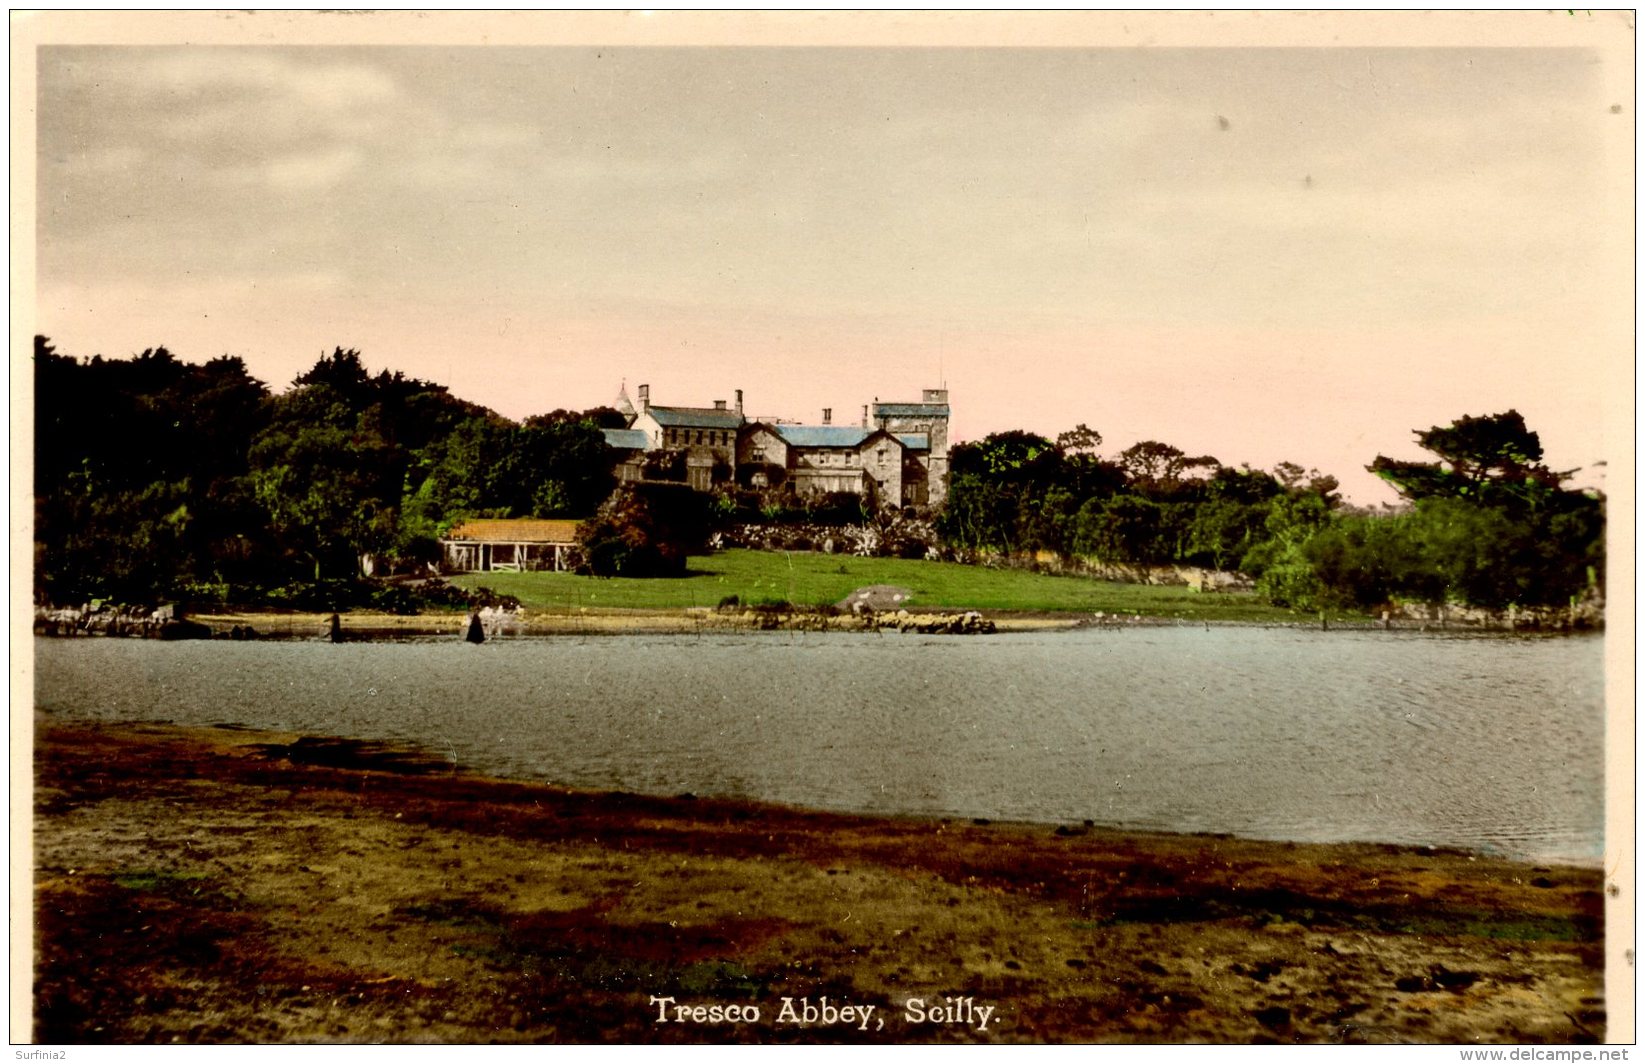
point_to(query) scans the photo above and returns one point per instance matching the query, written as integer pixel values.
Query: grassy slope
(806, 578)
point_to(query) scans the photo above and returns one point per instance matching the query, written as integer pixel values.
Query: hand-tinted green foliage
(1155, 505)
(996, 488)
(664, 464)
(601, 417)
(490, 467)
(140, 474)
(340, 451)
(158, 478)
(1489, 526)
(645, 529)
(1492, 460)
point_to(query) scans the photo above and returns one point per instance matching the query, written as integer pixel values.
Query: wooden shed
(484, 545)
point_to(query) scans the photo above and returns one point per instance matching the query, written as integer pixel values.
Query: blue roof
(822, 435)
(695, 417)
(626, 439)
(910, 409)
(846, 436)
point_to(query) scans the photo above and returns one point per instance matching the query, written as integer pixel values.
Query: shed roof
(626, 439)
(515, 530)
(695, 417)
(915, 441)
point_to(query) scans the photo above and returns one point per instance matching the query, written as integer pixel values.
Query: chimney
(645, 398)
(739, 402)
(719, 404)
(828, 415)
(864, 414)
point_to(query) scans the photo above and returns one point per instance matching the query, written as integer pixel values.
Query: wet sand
(223, 885)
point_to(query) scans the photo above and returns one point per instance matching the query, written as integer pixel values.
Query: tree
(1081, 439)
(140, 472)
(1488, 526)
(331, 493)
(1492, 459)
(994, 484)
(645, 530)
(1159, 468)
(979, 513)
(601, 417)
(1130, 529)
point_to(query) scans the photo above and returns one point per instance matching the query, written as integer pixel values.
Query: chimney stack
(719, 404)
(828, 415)
(864, 414)
(739, 402)
(645, 398)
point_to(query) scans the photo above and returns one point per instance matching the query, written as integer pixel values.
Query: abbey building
(896, 456)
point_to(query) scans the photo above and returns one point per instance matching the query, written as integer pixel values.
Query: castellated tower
(923, 426)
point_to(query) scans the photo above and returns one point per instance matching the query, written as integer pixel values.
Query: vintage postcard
(803, 527)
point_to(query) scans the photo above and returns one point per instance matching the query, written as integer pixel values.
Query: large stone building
(897, 456)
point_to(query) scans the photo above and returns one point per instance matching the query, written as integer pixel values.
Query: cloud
(311, 170)
(260, 73)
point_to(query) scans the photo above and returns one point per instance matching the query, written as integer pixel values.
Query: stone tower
(928, 417)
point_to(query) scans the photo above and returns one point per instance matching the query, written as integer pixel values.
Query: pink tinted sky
(1261, 254)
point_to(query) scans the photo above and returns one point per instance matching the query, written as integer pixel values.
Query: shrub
(645, 530)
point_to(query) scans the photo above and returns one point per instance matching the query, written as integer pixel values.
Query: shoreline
(220, 884)
(367, 625)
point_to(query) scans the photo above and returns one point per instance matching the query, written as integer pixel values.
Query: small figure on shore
(476, 630)
(335, 629)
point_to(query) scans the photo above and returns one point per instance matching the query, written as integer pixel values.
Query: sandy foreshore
(222, 885)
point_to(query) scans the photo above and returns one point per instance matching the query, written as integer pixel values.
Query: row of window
(844, 457)
(695, 437)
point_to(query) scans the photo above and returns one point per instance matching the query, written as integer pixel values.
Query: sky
(1262, 254)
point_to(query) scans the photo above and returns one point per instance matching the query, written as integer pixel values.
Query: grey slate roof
(695, 417)
(910, 409)
(625, 439)
(822, 435)
(844, 436)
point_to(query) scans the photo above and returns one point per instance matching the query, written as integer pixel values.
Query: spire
(623, 406)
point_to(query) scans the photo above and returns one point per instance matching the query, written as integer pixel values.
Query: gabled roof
(694, 417)
(915, 441)
(626, 439)
(910, 409)
(822, 435)
(841, 436)
(515, 530)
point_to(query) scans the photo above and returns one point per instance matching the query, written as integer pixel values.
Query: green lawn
(809, 579)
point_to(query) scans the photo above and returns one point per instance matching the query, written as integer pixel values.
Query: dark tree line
(157, 478)
(1484, 524)
(1152, 504)
(1488, 525)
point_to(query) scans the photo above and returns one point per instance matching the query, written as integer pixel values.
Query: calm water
(1490, 744)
